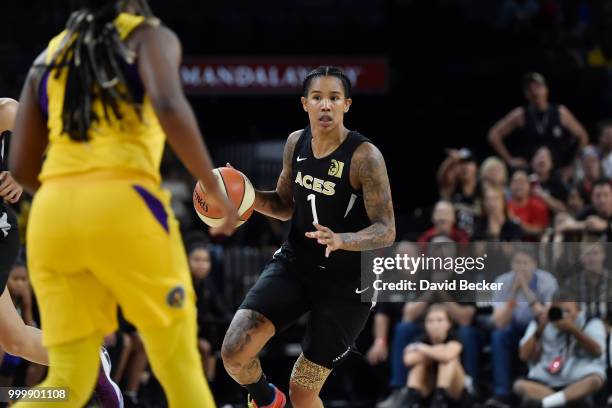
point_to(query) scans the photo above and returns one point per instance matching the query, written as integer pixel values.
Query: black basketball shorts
(288, 288)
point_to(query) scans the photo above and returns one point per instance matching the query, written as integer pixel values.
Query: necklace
(542, 125)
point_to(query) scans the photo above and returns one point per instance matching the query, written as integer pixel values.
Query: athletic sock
(555, 400)
(261, 391)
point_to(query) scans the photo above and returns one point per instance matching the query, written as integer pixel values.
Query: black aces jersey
(322, 190)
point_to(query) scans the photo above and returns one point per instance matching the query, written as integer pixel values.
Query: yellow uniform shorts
(98, 240)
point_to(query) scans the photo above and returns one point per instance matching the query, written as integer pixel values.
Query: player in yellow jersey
(99, 104)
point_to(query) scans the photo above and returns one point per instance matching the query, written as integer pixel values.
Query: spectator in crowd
(591, 171)
(493, 173)
(604, 140)
(435, 363)
(525, 291)
(592, 283)
(594, 219)
(494, 223)
(411, 327)
(458, 183)
(387, 315)
(565, 349)
(575, 201)
(136, 366)
(540, 123)
(528, 211)
(547, 184)
(213, 315)
(443, 219)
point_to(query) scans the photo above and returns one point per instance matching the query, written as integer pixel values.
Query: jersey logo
(315, 184)
(336, 168)
(301, 158)
(176, 297)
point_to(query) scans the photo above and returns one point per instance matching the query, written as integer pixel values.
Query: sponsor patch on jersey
(335, 169)
(176, 297)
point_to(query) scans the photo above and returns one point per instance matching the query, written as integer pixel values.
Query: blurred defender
(335, 179)
(99, 102)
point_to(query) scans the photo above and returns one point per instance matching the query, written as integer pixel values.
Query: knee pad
(309, 375)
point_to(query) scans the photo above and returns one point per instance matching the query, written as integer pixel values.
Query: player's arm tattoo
(372, 175)
(279, 203)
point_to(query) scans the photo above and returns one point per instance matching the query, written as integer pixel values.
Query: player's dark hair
(93, 53)
(326, 70)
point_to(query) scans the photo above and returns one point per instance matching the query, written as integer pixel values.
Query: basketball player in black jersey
(334, 188)
(16, 337)
(540, 123)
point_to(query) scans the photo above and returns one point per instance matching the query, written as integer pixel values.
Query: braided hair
(327, 70)
(93, 53)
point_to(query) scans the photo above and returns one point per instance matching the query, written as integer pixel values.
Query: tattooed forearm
(279, 203)
(372, 175)
(373, 237)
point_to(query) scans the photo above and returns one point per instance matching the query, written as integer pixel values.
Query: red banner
(276, 75)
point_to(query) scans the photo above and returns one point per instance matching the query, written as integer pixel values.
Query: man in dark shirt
(540, 123)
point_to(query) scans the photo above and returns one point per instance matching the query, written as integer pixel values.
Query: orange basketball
(236, 187)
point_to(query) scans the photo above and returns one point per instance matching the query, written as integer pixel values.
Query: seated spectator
(387, 315)
(411, 328)
(525, 291)
(458, 182)
(565, 350)
(493, 173)
(435, 363)
(213, 315)
(575, 201)
(592, 283)
(594, 219)
(604, 144)
(494, 223)
(592, 171)
(443, 219)
(528, 211)
(547, 184)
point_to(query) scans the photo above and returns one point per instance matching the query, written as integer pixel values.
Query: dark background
(455, 67)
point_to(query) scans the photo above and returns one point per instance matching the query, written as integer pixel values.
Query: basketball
(236, 187)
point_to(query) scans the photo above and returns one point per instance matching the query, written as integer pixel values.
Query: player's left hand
(10, 190)
(325, 236)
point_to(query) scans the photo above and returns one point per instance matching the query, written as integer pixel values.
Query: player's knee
(301, 397)
(307, 379)
(231, 351)
(238, 336)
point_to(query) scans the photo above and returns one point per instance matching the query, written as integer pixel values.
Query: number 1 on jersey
(313, 206)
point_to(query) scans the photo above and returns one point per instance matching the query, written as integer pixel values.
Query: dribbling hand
(230, 215)
(325, 236)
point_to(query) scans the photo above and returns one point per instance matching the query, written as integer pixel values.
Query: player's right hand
(230, 215)
(10, 190)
